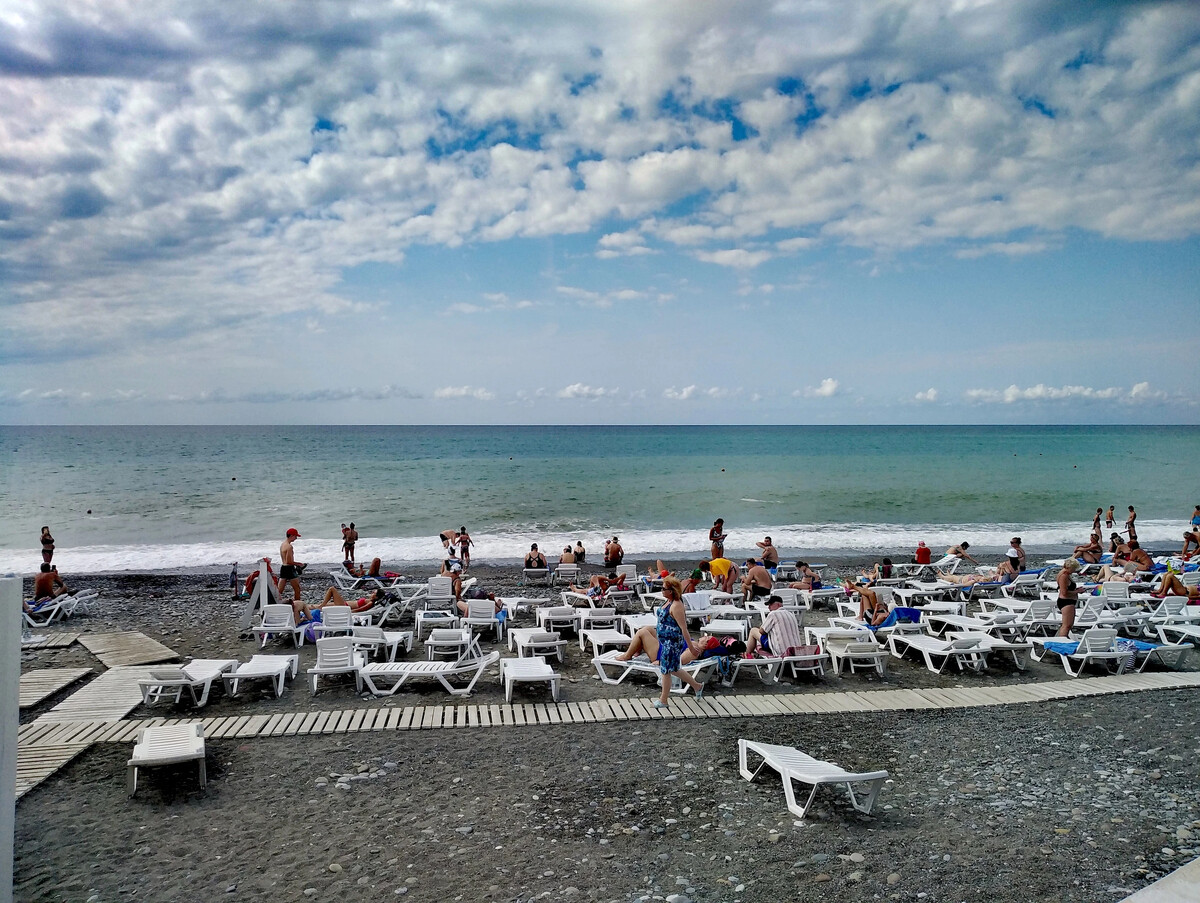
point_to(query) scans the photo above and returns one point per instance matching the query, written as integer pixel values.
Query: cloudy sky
(559, 212)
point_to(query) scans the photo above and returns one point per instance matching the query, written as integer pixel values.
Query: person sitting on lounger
(882, 571)
(1117, 546)
(770, 555)
(1136, 560)
(809, 579)
(693, 581)
(1090, 551)
(48, 585)
(1190, 538)
(567, 556)
(779, 634)
(580, 552)
(534, 560)
(757, 583)
(464, 605)
(1171, 585)
(871, 610)
(452, 568)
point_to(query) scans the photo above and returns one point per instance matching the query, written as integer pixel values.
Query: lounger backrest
(1191, 579)
(481, 609)
(885, 594)
(695, 601)
(1098, 639)
(1116, 591)
(1039, 610)
(337, 617)
(441, 589)
(334, 652)
(369, 634)
(278, 616)
(962, 643)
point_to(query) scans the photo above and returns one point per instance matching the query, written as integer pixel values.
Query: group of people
(1109, 520)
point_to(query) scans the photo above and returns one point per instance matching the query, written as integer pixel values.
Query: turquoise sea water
(195, 496)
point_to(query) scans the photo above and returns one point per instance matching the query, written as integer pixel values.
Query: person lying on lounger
(598, 585)
(1006, 572)
(1172, 586)
(809, 578)
(334, 597)
(882, 571)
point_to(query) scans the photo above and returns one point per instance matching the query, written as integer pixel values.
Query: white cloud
(683, 394)
(1009, 248)
(927, 395)
(451, 392)
(588, 393)
(739, 258)
(1041, 392)
(827, 389)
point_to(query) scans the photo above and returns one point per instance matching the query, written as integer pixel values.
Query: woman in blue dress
(673, 639)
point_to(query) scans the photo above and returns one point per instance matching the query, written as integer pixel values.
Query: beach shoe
(700, 693)
(659, 704)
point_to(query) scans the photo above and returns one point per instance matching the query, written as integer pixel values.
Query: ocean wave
(807, 541)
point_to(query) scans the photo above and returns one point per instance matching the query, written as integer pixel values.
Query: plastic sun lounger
(274, 668)
(375, 677)
(601, 637)
(965, 653)
(794, 765)
(167, 745)
(989, 643)
(641, 665)
(1179, 633)
(197, 677)
(1097, 645)
(529, 641)
(533, 669)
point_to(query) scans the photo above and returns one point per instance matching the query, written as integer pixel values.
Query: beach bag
(310, 632)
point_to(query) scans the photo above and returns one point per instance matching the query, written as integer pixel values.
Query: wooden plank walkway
(110, 697)
(126, 648)
(37, 685)
(54, 640)
(95, 713)
(36, 763)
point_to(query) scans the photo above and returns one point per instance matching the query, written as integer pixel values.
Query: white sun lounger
(197, 677)
(533, 669)
(794, 765)
(1180, 633)
(536, 641)
(336, 655)
(274, 668)
(278, 620)
(600, 637)
(990, 644)
(376, 677)
(965, 653)
(642, 665)
(167, 745)
(1097, 645)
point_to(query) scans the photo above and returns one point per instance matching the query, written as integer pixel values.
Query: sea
(154, 498)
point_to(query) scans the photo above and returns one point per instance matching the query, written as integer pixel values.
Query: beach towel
(1064, 647)
(900, 616)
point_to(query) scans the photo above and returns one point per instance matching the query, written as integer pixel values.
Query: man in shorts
(722, 571)
(770, 555)
(780, 631)
(290, 570)
(757, 582)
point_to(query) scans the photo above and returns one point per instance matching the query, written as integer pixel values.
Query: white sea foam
(809, 541)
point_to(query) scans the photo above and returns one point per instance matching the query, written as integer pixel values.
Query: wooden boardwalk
(55, 640)
(126, 648)
(36, 763)
(64, 735)
(37, 685)
(110, 697)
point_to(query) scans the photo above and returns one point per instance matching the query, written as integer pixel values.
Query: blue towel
(900, 616)
(1064, 647)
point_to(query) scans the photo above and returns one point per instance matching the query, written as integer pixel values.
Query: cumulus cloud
(451, 392)
(587, 393)
(1041, 392)
(927, 395)
(827, 389)
(738, 258)
(683, 394)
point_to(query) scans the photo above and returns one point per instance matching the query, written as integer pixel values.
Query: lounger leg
(789, 792)
(203, 775)
(131, 779)
(872, 793)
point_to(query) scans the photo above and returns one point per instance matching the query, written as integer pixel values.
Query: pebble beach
(1085, 799)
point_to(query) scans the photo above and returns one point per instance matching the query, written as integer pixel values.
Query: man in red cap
(923, 555)
(289, 569)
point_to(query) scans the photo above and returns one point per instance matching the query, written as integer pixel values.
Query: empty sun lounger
(536, 641)
(794, 765)
(533, 669)
(387, 678)
(167, 745)
(966, 653)
(197, 677)
(273, 668)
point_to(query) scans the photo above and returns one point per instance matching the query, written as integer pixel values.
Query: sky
(599, 212)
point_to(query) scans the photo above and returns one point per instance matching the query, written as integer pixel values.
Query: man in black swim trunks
(290, 569)
(757, 582)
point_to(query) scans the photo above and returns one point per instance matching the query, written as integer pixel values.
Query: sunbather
(452, 568)
(1116, 545)
(1004, 573)
(882, 571)
(960, 551)
(1171, 585)
(598, 585)
(464, 606)
(693, 581)
(1190, 538)
(534, 560)
(809, 579)
(1090, 551)
(334, 597)
(757, 583)
(1133, 561)
(48, 585)
(779, 634)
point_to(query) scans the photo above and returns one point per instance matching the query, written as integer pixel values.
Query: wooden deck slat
(129, 647)
(37, 685)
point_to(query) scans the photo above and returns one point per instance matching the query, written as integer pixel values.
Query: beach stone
(334, 867)
(310, 891)
(678, 898)
(893, 878)
(465, 829)
(823, 877)
(859, 857)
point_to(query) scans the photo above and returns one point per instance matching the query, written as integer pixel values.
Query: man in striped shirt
(779, 633)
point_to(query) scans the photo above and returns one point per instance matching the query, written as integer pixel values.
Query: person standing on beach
(1196, 518)
(1096, 520)
(1109, 517)
(722, 571)
(1130, 531)
(716, 538)
(47, 545)
(289, 570)
(580, 552)
(613, 553)
(673, 639)
(770, 555)
(464, 547)
(1068, 596)
(352, 539)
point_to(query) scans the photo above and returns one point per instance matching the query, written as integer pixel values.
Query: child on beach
(716, 537)
(464, 547)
